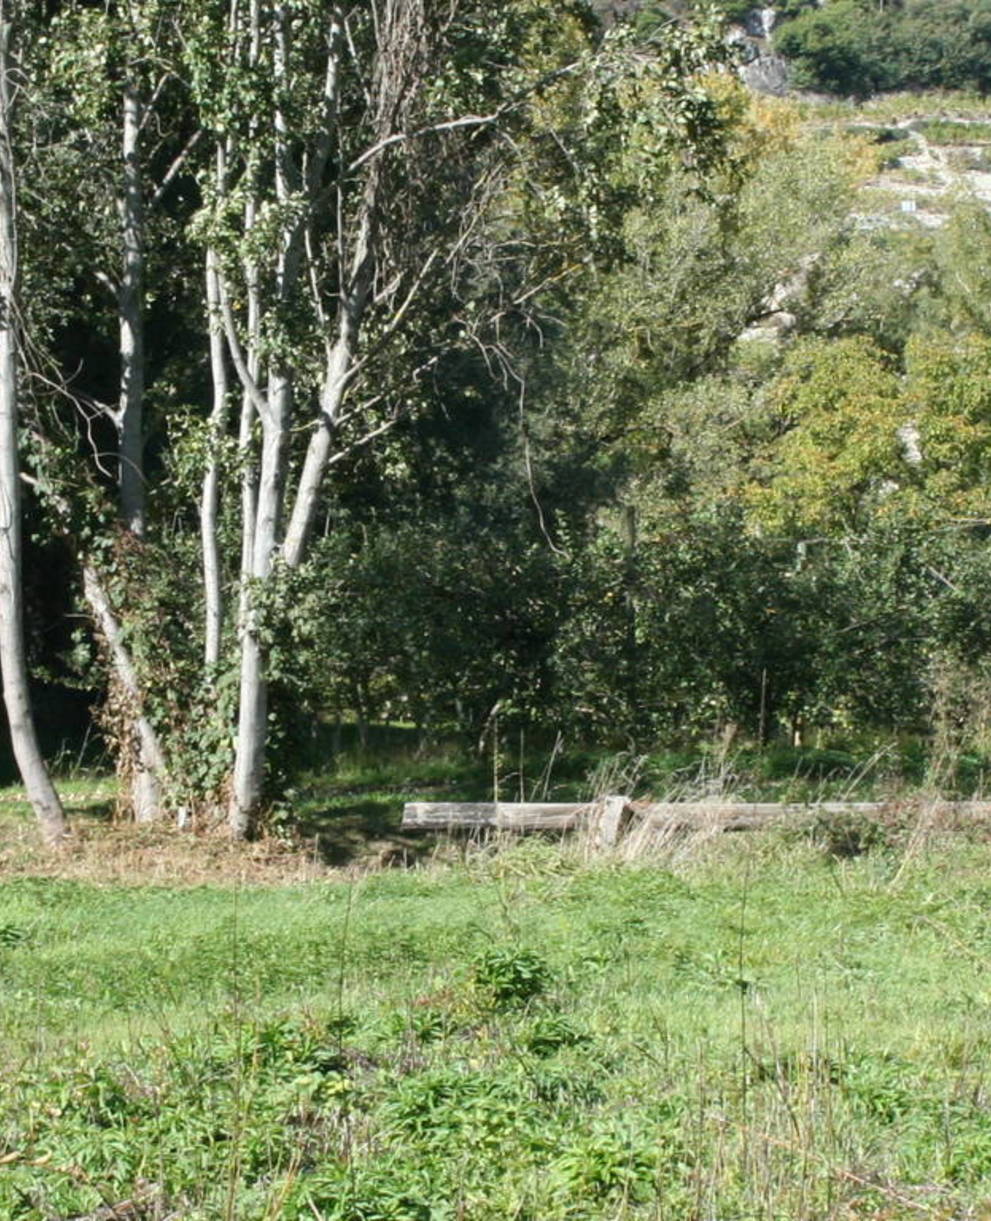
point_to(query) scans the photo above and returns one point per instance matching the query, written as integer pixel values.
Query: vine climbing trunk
(146, 762)
(13, 664)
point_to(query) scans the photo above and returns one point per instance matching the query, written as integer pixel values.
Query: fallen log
(745, 816)
(511, 816)
(612, 815)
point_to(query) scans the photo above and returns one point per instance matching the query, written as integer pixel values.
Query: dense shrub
(852, 48)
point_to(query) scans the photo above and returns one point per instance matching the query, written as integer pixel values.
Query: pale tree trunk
(210, 496)
(249, 764)
(337, 377)
(264, 526)
(245, 448)
(13, 664)
(353, 300)
(248, 779)
(246, 456)
(130, 417)
(253, 694)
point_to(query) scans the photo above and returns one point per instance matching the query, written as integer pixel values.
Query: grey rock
(767, 73)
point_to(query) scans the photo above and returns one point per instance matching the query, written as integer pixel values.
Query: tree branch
(466, 121)
(180, 160)
(237, 355)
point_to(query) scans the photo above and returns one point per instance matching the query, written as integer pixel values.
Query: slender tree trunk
(13, 665)
(248, 779)
(130, 419)
(319, 449)
(245, 449)
(210, 496)
(252, 729)
(147, 767)
(337, 377)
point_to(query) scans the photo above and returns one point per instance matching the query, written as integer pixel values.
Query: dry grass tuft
(124, 854)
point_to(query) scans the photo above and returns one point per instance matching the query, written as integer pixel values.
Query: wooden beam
(610, 820)
(514, 816)
(745, 816)
(609, 817)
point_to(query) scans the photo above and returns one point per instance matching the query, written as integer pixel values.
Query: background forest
(435, 369)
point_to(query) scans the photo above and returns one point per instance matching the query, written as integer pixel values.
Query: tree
(852, 47)
(403, 123)
(107, 121)
(333, 142)
(41, 793)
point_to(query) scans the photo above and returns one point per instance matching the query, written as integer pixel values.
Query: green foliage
(509, 975)
(856, 48)
(847, 835)
(961, 254)
(607, 1165)
(840, 50)
(856, 441)
(839, 410)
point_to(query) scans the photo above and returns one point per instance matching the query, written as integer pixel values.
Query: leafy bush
(373, 1193)
(509, 975)
(551, 1032)
(607, 1163)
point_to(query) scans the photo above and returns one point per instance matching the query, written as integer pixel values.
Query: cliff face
(763, 69)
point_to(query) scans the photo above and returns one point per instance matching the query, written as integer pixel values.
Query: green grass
(949, 131)
(896, 107)
(752, 1029)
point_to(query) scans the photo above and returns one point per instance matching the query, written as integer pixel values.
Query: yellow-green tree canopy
(860, 438)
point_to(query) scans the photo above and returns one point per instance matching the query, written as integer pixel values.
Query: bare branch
(395, 321)
(361, 442)
(180, 160)
(108, 282)
(249, 384)
(473, 120)
(149, 109)
(356, 60)
(465, 122)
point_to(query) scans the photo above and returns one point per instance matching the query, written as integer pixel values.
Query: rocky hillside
(934, 160)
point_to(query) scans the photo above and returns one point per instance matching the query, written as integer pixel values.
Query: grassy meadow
(794, 1023)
